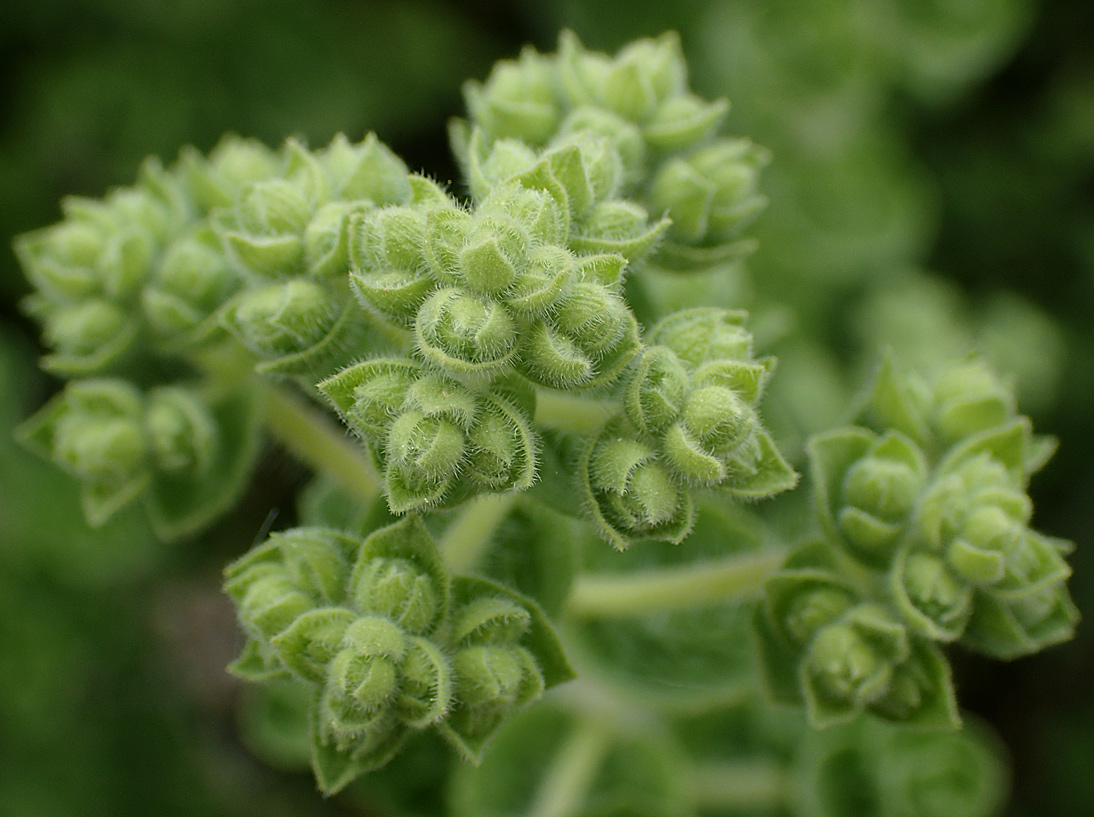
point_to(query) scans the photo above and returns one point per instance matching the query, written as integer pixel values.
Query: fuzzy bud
(284, 318)
(182, 432)
(518, 99)
(465, 334)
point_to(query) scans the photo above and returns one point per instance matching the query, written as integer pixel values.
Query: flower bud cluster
(870, 767)
(387, 641)
(671, 162)
(690, 420)
(184, 454)
(937, 525)
(90, 269)
(823, 644)
(435, 440)
(529, 281)
(288, 236)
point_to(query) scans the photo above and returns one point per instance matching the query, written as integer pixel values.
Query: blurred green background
(932, 190)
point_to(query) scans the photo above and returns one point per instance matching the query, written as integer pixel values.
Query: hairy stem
(741, 785)
(471, 531)
(571, 413)
(315, 439)
(736, 578)
(572, 772)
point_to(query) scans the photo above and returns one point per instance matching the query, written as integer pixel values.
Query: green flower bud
(938, 774)
(625, 138)
(430, 446)
(538, 288)
(326, 241)
(447, 232)
(264, 233)
(388, 264)
(283, 319)
(97, 434)
(465, 334)
(520, 218)
(490, 166)
(593, 317)
(486, 267)
(879, 492)
(718, 418)
(618, 226)
(270, 602)
(378, 400)
(501, 449)
(368, 170)
(587, 341)
(1008, 628)
(810, 612)
(518, 99)
(849, 665)
(308, 645)
(498, 677)
(704, 335)
(62, 260)
(683, 121)
(232, 165)
(588, 167)
(192, 280)
(634, 85)
(399, 590)
(371, 394)
(81, 331)
(363, 678)
(969, 399)
(690, 459)
(930, 598)
(635, 496)
(427, 684)
(800, 604)
(656, 390)
(711, 195)
(182, 432)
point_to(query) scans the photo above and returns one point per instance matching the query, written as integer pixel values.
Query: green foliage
(550, 353)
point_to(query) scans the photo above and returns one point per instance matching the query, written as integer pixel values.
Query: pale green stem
(741, 785)
(735, 578)
(572, 413)
(472, 530)
(571, 773)
(319, 442)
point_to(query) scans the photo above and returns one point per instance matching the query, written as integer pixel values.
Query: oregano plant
(553, 552)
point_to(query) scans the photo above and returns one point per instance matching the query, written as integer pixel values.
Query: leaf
(336, 768)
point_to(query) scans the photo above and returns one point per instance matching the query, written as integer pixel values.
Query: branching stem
(472, 530)
(572, 772)
(739, 786)
(572, 413)
(311, 436)
(735, 578)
